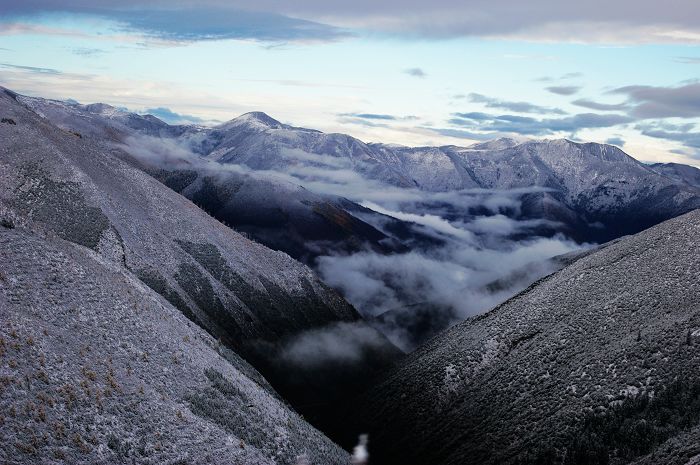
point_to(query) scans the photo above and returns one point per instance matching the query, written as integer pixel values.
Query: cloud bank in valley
(480, 253)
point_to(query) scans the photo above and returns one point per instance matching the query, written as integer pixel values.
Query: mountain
(596, 191)
(322, 198)
(683, 173)
(96, 367)
(594, 364)
(269, 208)
(256, 301)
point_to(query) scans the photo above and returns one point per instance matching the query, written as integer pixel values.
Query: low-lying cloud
(472, 261)
(336, 344)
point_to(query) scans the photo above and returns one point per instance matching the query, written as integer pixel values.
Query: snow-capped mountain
(595, 191)
(253, 300)
(379, 213)
(596, 363)
(598, 191)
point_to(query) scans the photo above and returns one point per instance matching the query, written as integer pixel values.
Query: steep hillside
(95, 367)
(69, 186)
(253, 299)
(279, 214)
(595, 364)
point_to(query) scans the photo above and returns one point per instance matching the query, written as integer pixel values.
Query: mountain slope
(253, 299)
(596, 363)
(281, 215)
(70, 186)
(269, 208)
(95, 367)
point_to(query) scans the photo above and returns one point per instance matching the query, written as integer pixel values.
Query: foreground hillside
(95, 367)
(254, 300)
(594, 364)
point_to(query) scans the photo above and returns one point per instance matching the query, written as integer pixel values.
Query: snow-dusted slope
(262, 143)
(99, 120)
(596, 363)
(95, 367)
(250, 297)
(69, 186)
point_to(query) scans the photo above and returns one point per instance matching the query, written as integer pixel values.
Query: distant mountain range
(683, 173)
(595, 191)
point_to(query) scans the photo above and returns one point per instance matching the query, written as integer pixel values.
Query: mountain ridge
(561, 371)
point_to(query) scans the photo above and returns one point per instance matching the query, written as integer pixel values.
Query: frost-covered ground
(63, 186)
(95, 367)
(596, 363)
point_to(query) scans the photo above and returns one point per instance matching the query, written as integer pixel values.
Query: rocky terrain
(595, 364)
(255, 301)
(96, 367)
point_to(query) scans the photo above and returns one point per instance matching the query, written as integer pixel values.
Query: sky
(406, 72)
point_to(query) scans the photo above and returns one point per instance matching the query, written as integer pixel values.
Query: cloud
(615, 141)
(171, 117)
(415, 72)
(564, 90)
(518, 107)
(426, 219)
(475, 116)
(590, 104)
(338, 343)
(87, 51)
(363, 122)
(663, 102)
(598, 21)
(369, 116)
(186, 21)
(455, 281)
(526, 125)
(458, 133)
(31, 69)
(683, 133)
(563, 77)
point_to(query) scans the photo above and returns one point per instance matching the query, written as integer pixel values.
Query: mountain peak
(498, 144)
(256, 119)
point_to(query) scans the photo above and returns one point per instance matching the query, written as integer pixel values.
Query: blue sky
(429, 76)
